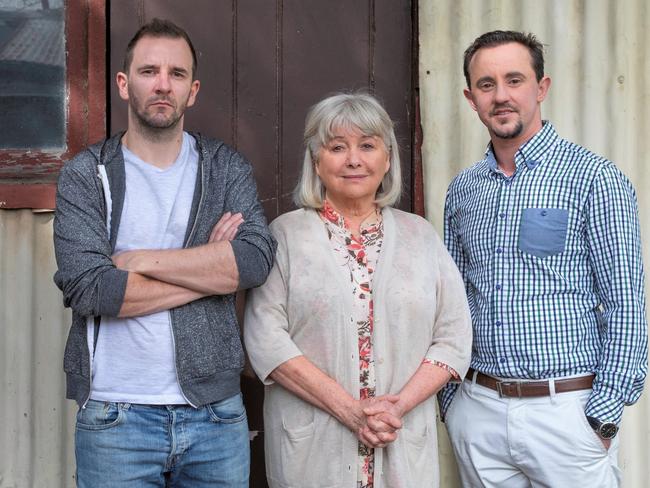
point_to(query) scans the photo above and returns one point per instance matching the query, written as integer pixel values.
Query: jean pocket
(99, 415)
(228, 411)
(542, 231)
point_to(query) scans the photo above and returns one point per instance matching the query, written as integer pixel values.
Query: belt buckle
(500, 385)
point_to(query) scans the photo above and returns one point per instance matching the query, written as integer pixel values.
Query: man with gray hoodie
(155, 230)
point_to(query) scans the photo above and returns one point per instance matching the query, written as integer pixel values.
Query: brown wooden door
(262, 64)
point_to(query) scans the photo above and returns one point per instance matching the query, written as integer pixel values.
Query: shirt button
(498, 287)
(502, 360)
(502, 215)
(544, 212)
(499, 250)
(498, 323)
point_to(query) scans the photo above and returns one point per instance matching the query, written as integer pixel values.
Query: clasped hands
(379, 420)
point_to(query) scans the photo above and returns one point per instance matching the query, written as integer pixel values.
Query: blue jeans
(124, 445)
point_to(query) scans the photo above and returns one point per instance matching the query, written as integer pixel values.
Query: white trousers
(528, 442)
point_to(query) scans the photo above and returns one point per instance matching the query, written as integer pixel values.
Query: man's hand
(227, 227)
(224, 230)
(606, 442)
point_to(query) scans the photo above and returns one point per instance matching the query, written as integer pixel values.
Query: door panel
(262, 64)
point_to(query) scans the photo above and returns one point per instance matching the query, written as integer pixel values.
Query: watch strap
(606, 430)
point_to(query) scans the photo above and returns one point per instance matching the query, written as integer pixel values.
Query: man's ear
(542, 89)
(196, 84)
(468, 95)
(122, 81)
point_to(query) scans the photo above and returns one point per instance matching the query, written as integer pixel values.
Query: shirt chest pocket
(542, 231)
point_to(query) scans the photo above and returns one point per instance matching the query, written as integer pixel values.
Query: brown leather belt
(527, 389)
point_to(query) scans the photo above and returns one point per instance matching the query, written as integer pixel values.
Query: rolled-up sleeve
(254, 245)
(266, 323)
(90, 283)
(614, 242)
(455, 250)
(452, 329)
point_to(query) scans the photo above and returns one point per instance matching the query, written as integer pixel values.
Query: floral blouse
(358, 257)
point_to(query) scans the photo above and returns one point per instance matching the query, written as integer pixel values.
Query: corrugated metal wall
(36, 422)
(597, 58)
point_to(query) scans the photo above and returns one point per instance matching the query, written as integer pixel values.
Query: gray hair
(347, 111)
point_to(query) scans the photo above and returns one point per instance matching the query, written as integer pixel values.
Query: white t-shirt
(134, 360)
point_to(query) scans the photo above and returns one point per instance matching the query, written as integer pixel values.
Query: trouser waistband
(528, 389)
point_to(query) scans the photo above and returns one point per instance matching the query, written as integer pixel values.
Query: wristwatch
(606, 430)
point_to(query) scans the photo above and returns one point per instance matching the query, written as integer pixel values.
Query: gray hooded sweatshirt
(90, 196)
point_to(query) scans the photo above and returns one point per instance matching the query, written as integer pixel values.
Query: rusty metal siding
(597, 58)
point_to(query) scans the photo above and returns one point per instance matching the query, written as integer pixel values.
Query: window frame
(28, 176)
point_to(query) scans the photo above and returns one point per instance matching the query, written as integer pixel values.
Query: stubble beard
(155, 125)
(509, 134)
(504, 131)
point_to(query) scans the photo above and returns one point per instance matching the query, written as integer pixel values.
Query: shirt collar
(329, 214)
(533, 152)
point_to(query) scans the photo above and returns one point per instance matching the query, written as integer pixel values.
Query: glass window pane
(32, 74)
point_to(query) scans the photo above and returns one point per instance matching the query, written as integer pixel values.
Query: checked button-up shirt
(551, 259)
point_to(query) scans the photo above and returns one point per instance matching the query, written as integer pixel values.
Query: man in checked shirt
(546, 235)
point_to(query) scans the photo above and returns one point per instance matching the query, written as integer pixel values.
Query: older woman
(362, 319)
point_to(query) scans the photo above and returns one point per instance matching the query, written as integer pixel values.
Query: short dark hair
(159, 28)
(499, 37)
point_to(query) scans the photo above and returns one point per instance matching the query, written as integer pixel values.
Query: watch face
(608, 430)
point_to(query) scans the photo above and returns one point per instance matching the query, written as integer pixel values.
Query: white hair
(347, 111)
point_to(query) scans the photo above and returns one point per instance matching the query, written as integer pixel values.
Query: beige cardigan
(304, 308)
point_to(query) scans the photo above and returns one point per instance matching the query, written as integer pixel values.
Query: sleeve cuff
(112, 287)
(445, 396)
(439, 355)
(251, 264)
(449, 369)
(264, 367)
(604, 407)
